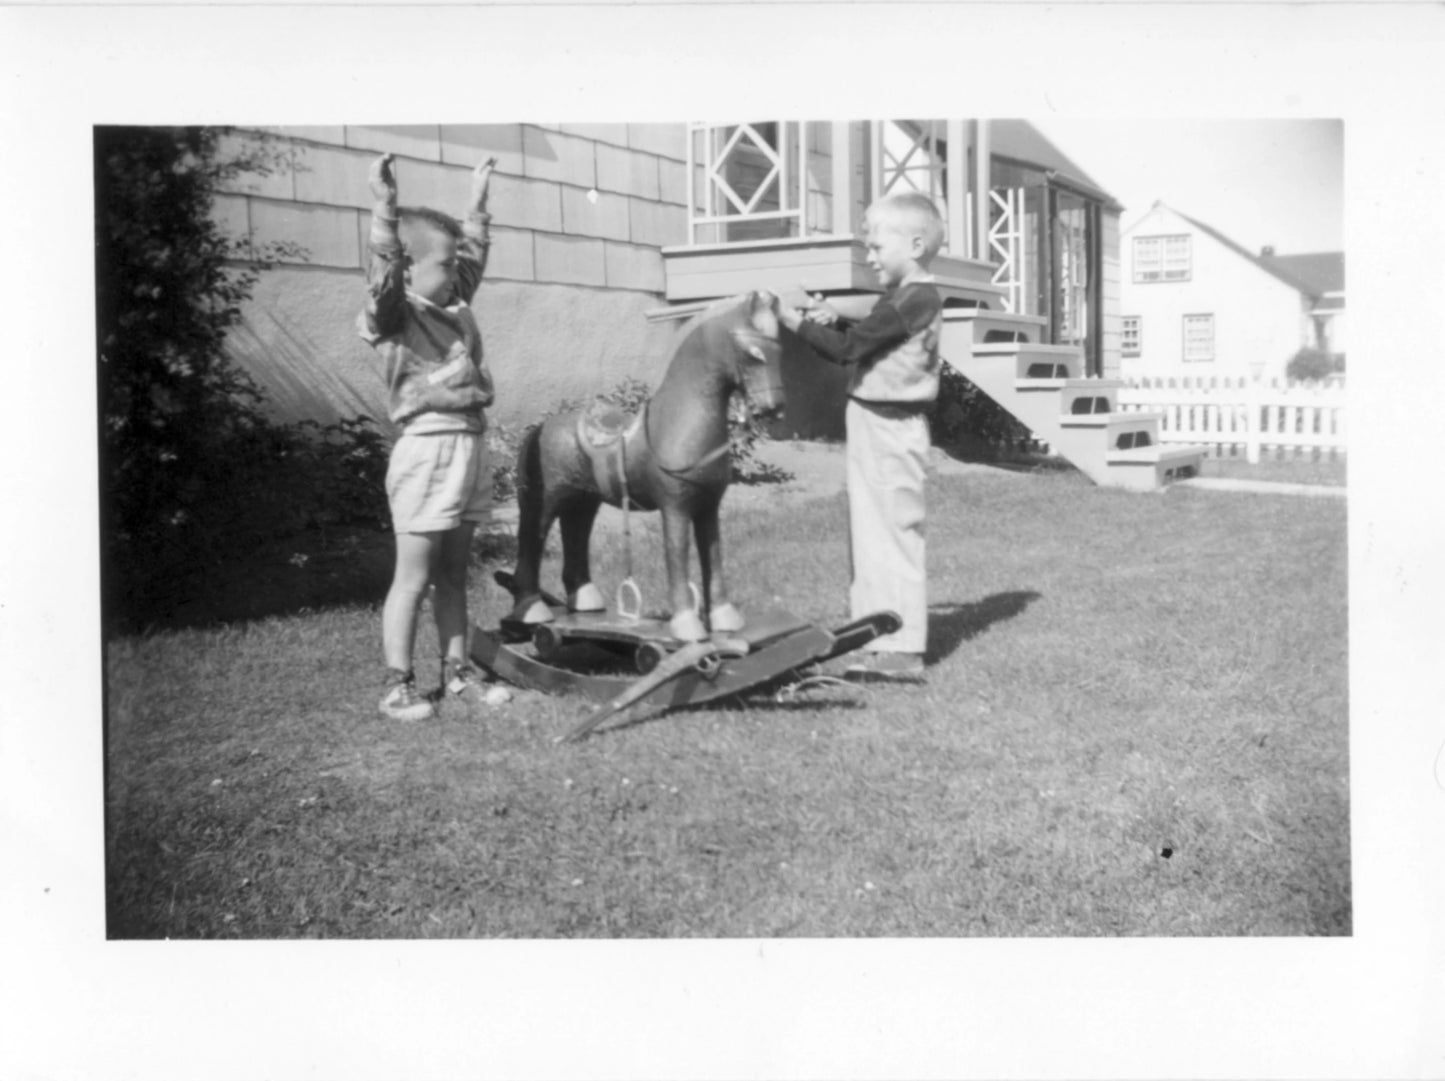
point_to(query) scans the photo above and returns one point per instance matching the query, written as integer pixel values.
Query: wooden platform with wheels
(672, 673)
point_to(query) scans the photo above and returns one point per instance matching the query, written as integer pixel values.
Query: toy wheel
(547, 642)
(648, 656)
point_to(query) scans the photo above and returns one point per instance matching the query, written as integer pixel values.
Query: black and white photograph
(942, 492)
(796, 562)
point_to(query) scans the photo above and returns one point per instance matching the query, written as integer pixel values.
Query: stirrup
(629, 600)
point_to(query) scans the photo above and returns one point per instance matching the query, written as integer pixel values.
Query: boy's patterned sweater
(435, 372)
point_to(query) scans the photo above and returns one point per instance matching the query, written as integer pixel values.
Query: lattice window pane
(1163, 258)
(749, 175)
(912, 157)
(1148, 259)
(1198, 337)
(1131, 338)
(1177, 258)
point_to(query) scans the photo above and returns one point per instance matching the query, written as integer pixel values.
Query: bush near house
(194, 471)
(1312, 365)
(968, 423)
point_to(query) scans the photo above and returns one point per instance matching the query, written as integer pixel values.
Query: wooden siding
(560, 191)
(828, 263)
(818, 264)
(1109, 292)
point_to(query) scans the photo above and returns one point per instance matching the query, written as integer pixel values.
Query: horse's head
(759, 354)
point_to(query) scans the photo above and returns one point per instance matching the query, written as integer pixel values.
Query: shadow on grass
(743, 702)
(950, 625)
(309, 571)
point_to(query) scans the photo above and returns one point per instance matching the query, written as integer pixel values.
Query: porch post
(843, 166)
(981, 185)
(957, 209)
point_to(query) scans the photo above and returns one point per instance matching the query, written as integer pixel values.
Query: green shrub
(966, 420)
(194, 472)
(1310, 365)
(629, 395)
(503, 442)
(744, 435)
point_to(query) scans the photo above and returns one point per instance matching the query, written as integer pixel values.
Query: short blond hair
(911, 211)
(421, 225)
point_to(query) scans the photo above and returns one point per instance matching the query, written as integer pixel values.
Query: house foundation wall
(543, 342)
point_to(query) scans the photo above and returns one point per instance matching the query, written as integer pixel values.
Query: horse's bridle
(748, 343)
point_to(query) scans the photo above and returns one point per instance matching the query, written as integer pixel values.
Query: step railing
(1256, 418)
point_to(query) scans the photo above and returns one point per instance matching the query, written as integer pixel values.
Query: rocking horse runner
(671, 457)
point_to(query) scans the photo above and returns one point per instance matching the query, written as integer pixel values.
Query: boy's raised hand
(383, 180)
(819, 310)
(481, 180)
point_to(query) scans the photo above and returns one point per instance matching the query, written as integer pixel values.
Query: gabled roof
(1020, 141)
(1309, 274)
(1323, 272)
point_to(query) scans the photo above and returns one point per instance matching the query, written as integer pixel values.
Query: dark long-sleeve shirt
(893, 351)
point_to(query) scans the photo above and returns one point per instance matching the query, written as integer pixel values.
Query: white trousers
(887, 452)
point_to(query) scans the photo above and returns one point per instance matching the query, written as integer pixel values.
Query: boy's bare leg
(416, 553)
(450, 603)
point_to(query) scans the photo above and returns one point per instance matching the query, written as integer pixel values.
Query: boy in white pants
(893, 353)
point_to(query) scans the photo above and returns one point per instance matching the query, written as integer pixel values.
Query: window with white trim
(1163, 258)
(1198, 338)
(1131, 337)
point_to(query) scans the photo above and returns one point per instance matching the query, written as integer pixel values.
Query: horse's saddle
(602, 429)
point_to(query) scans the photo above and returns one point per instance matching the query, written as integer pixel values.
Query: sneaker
(887, 666)
(464, 680)
(402, 701)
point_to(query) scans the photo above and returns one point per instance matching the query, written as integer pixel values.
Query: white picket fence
(1251, 417)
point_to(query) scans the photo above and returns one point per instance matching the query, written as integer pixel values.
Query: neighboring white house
(1323, 273)
(1195, 303)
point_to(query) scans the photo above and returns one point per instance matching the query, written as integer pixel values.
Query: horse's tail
(530, 494)
(529, 473)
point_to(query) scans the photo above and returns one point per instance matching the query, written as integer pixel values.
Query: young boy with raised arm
(893, 356)
(424, 270)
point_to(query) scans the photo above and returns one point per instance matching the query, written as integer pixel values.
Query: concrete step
(1148, 469)
(1040, 365)
(990, 325)
(1120, 431)
(1089, 397)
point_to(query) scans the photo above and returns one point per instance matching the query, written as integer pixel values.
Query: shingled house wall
(580, 213)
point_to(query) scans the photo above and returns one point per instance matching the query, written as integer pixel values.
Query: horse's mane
(716, 310)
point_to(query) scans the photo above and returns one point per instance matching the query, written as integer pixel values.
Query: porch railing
(743, 175)
(747, 173)
(781, 194)
(1251, 417)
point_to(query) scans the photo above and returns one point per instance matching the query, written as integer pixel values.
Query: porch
(1028, 269)
(779, 205)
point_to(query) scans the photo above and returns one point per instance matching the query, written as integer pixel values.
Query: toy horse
(672, 456)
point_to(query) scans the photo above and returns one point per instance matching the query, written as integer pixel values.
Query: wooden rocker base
(691, 674)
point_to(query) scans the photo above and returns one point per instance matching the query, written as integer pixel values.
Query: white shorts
(436, 482)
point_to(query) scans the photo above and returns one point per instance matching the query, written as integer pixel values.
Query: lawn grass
(1277, 469)
(1134, 724)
